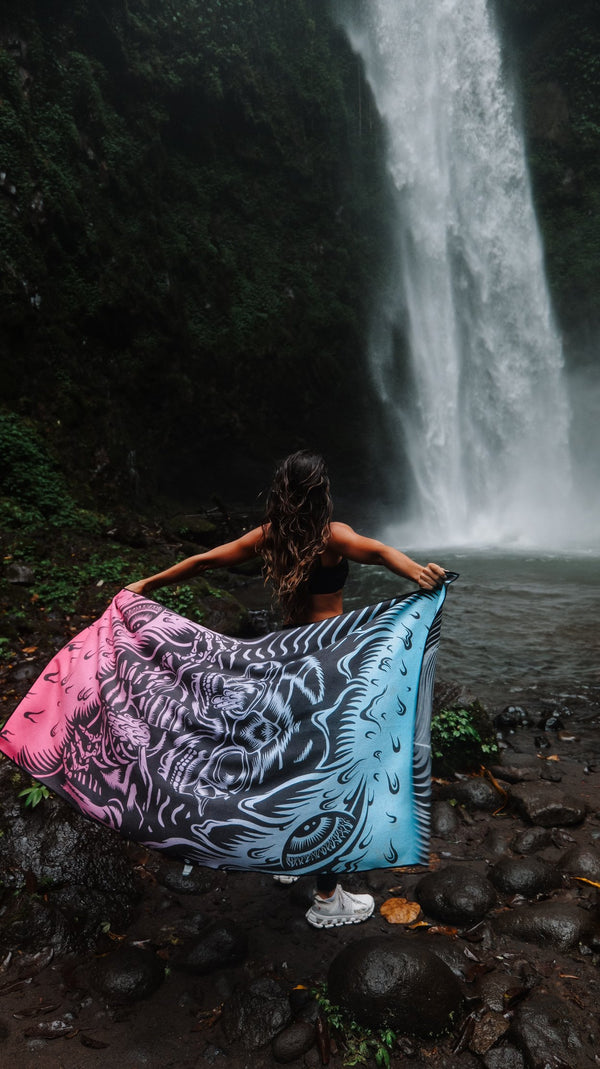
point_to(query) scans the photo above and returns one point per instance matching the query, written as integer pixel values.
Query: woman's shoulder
(338, 528)
(339, 533)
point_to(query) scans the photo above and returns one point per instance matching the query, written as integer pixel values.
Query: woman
(306, 558)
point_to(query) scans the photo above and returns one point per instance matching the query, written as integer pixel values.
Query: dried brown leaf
(400, 911)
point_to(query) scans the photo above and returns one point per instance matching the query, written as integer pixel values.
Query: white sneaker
(285, 877)
(340, 908)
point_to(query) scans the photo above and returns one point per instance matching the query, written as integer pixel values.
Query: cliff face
(191, 207)
(192, 218)
(554, 48)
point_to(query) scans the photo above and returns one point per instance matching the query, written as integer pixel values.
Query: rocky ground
(216, 969)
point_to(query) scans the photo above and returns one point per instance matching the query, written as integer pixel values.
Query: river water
(514, 624)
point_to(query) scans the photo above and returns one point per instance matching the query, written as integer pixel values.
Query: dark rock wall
(553, 50)
(191, 216)
(192, 219)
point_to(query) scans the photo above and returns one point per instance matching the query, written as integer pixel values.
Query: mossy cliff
(191, 201)
(193, 211)
(553, 46)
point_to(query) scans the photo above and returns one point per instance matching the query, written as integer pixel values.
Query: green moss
(462, 739)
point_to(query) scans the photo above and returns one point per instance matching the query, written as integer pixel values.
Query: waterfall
(481, 431)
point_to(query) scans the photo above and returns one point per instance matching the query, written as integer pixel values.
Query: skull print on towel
(297, 751)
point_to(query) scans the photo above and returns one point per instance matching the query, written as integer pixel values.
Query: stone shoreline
(216, 969)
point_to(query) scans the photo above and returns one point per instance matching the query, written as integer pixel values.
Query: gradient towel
(298, 751)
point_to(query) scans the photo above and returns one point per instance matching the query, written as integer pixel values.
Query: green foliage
(182, 599)
(556, 48)
(461, 739)
(187, 233)
(359, 1044)
(60, 586)
(7, 651)
(34, 491)
(34, 794)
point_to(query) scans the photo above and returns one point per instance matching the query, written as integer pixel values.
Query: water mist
(483, 431)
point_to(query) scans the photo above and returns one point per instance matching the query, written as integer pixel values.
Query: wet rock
(511, 718)
(474, 793)
(550, 773)
(53, 846)
(225, 614)
(293, 1042)
(531, 840)
(524, 876)
(456, 895)
(25, 674)
(513, 774)
(496, 841)
(192, 924)
(19, 574)
(488, 1030)
(581, 861)
(219, 946)
(514, 759)
(547, 808)
(561, 925)
(456, 1061)
(551, 722)
(198, 882)
(256, 1014)
(128, 975)
(214, 1055)
(394, 982)
(450, 952)
(492, 987)
(444, 820)
(504, 1057)
(549, 1032)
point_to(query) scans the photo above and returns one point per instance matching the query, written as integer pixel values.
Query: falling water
(482, 427)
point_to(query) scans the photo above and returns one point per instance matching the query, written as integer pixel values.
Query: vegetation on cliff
(192, 219)
(190, 201)
(554, 46)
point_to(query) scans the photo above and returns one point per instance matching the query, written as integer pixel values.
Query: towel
(300, 751)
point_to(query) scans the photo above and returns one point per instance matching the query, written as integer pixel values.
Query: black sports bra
(324, 580)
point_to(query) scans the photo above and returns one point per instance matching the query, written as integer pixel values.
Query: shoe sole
(337, 922)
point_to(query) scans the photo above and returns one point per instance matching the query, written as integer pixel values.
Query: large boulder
(560, 925)
(396, 983)
(552, 1033)
(455, 895)
(257, 1013)
(83, 870)
(546, 806)
(128, 975)
(524, 876)
(218, 946)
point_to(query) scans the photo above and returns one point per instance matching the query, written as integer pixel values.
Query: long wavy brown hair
(296, 528)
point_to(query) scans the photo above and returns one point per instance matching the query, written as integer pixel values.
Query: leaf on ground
(400, 911)
(582, 879)
(443, 929)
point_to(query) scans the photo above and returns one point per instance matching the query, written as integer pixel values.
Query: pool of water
(512, 622)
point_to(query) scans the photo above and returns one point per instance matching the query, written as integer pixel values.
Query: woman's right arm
(370, 551)
(225, 556)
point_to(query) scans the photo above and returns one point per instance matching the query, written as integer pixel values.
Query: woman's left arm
(230, 553)
(363, 550)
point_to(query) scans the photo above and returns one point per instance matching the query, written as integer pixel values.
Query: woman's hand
(136, 588)
(431, 577)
